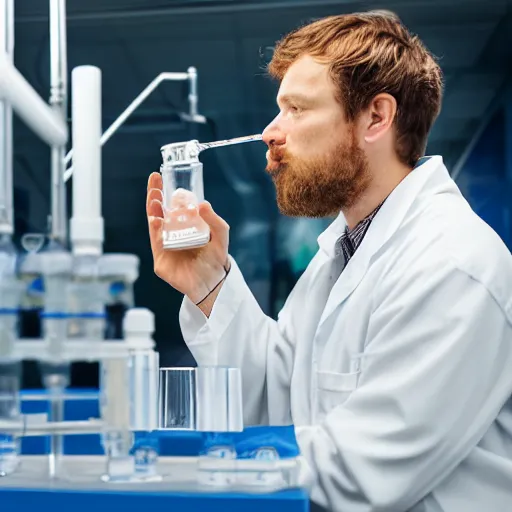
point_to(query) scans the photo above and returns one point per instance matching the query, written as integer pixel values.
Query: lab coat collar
(431, 177)
(328, 239)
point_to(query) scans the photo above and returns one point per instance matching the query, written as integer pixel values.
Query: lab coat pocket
(335, 388)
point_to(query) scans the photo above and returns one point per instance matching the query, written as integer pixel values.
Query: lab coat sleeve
(434, 375)
(239, 334)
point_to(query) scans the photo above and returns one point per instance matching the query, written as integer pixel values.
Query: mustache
(277, 154)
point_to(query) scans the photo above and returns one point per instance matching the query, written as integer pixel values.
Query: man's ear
(379, 117)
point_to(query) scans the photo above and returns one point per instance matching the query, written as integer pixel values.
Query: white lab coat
(398, 379)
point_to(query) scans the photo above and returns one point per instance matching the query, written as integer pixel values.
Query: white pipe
(129, 111)
(137, 101)
(58, 100)
(6, 142)
(87, 222)
(29, 106)
(6, 201)
(192, 90)
(58, 55)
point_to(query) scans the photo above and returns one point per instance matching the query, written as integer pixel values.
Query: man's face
(314, 159)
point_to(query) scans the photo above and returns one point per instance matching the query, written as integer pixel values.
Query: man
(393, 354)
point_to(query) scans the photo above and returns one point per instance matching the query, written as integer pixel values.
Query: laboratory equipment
(219, 414)
(182, 192)
(22, 97)
(59, 103)
(86, 292)
(86, 225)
(32, 297)
(86, 296)
(128, 401)
(56, 269)
(10, 288)
(9, 368)
(6, 146)
(115, 409)
(9, 411)
(192, 116)
(118, 273)
(177, 399)
(206, 399)
(219, 399)
(182, 177)
(201, 146)
(143, 367)
(71, 287)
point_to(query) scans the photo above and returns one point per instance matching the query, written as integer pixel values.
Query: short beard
(324, 186)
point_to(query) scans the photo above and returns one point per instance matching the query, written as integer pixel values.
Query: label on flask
(172, 236)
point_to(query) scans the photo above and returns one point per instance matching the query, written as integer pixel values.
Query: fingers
(155, 181)
(154, 200)
(155, 234)
(155, 209)
(154, 212)
(155, 194)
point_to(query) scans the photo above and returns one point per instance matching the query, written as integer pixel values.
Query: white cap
(119, 264)
(58, 262)
(139, 322)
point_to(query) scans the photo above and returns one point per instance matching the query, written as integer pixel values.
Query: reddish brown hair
(371, 53)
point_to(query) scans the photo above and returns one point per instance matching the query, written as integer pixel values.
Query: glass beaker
(182, 177)
(219, 415)
(177, 399)
(219, 399)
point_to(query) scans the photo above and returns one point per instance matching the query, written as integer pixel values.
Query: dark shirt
(351, 239)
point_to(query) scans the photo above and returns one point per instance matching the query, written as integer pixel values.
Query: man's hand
(193, 272)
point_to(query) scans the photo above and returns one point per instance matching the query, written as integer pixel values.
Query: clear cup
(206, 399)
(177, 399)
(182, 177)
(219, 414)
(219, 399)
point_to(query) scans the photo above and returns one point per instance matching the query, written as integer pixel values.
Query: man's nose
(272, 135)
